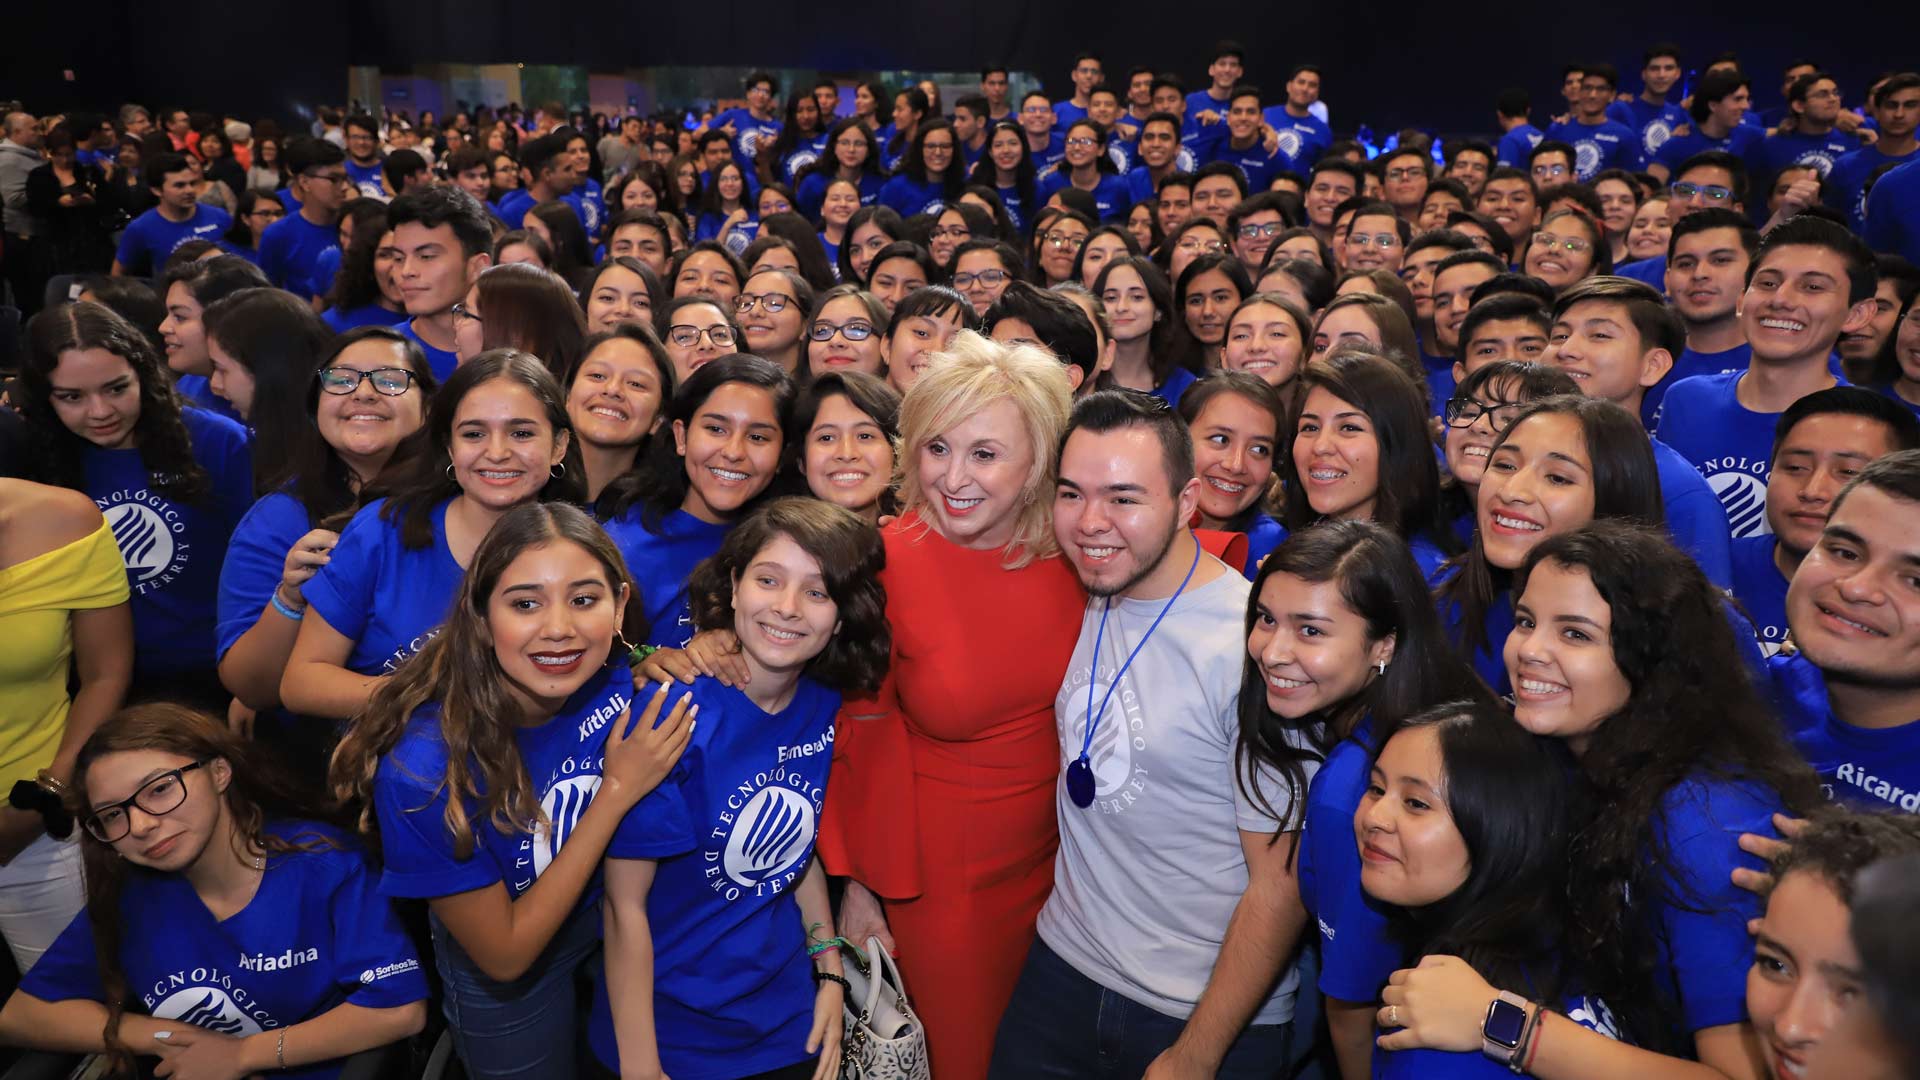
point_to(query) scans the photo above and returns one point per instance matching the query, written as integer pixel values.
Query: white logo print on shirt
(148, 531)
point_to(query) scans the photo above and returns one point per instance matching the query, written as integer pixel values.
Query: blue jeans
(1061, 1024)
(524, 1029)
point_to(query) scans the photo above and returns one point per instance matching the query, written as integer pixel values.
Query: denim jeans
(1063, 1025)
(520, 1030)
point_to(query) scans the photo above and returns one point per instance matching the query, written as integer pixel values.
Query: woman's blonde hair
(971, 374)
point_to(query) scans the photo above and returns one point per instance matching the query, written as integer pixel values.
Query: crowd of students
(1206, 601)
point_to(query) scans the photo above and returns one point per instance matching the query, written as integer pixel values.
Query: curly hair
(851, 557)
(478, 707)
(1838, 844)
(159, 433)
(1693, 713)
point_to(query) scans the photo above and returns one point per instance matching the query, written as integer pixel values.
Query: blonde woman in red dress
(941, 809)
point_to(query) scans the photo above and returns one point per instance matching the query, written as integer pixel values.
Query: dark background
(1436, 65)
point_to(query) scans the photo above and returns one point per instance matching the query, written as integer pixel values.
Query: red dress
(942, 790)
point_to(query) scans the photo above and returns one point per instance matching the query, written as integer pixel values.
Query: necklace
(1080, 786)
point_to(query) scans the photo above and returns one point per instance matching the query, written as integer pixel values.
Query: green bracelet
(641, 652)
(830, 943)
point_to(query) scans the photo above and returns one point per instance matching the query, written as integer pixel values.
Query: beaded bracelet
(280, 606)
(280, 1049)
(828, 976)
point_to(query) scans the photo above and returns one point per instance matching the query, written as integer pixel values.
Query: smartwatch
(1506, 1023)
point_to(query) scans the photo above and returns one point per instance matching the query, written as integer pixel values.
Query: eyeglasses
(273, 212)
(1462, 412)
(462, 311)
(1252, 231)
(329, 177)
(1713, 192)
(852, 330)
(1570, 243)
(1549, 170)
(989, 278)
(937, 147)
(157, 797)
(1065, 240)
(1082, 143)
(950, 232)
(687, 335)
(1383, 241)
(341, 381)
(1407, 173)
(1200, 244)
(773, 303)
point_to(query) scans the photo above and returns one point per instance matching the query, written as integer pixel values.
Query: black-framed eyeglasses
(461, 311)
(852, 330)
(1714, 192)
(687, 335)
(774, 303)
(1067, 241)
(989, 278)
(329, 177)
(158, 797)
(1462, 412)
(391, 381)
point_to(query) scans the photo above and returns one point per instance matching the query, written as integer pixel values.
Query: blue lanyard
(1093, 717)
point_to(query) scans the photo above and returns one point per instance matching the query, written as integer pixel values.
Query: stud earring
(1381, 667)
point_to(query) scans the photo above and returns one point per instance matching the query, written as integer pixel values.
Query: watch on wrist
(1506, 1022)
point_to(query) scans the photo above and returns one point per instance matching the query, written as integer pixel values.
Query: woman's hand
(1440, 1005)
(734, 220)
(862, 917)
(637, 762)
(829, 1025)
(1759, 881)
(717, 653)
(309, 554)
(665, 666)
(191, 1053)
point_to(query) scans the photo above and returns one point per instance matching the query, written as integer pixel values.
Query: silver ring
(1393, 1016)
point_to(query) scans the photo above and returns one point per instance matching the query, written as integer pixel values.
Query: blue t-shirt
(367, 179)
(908, 196)
(1440, 382)
(749, 134)
(1730, 444)
(150, 238)
(1302, 138)
(440, 361)
(1263, 535)
(1886, 390)
(1742, 142)
(1847, 183)
(1065, 113)
(1700, 920)
(1695, 519)
(1109, 194)
(1356, 951)
(1688, 364)
(1893, 212)
(1198, 102)
(661, 563)
(563, 759)
(1176, 385)
(1055, 152)
(1516, 144)
(813, 192)
(1793, 148)
(1427, 555)
(326, 268)
(316, 935)
(1424, 1064)
(1606, 145)
(173, 549)
(1488, 660)
(198, 392)
(1865, 768)
(589, 205)
(290, 253)
(1761, 589)
(732, 987)
(1652, 124)
(387, 598)
(805, 154)
(513, 207)
(256, 559)
(1652, 271)
(1254, 162)
(1016, 207)
(368, 315)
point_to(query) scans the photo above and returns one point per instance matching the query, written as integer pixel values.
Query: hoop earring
(620, 649)
(450, 470)
(558, 470)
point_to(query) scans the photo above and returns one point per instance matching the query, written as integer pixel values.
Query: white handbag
(884, 1039)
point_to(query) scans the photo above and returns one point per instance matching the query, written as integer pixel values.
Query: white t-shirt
(1148, 877)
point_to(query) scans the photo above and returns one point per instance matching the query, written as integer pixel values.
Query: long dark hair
(572, 251)
(316, 474)
(987, 175)
(459, 669)
(1380, 582)
(426, 479)
(279, 340)
(160, 435)
(827, 165)
(258, 790)
(1524, 381)
(659, 482)
(1626, 487)
(1407, 491)
(1164, 350)
(1508, 792)
(533, 310)
(358, 282)
(1693, 713)
(880, 216)
(914, 165)
(1255, 391)
(870, 394)
(851, 557)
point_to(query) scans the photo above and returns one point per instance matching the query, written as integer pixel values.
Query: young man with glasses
(1087, 73)
(1405, 173)
(1377, 238)
(1709, 180)
(1045, 145)
(1253, 225)
(1598, 142)
(1816, 141)
(363, 157)
(753, 126)
(1551, 164)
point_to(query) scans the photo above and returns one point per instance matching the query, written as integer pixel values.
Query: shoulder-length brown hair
(458, 669)
(533, 310)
